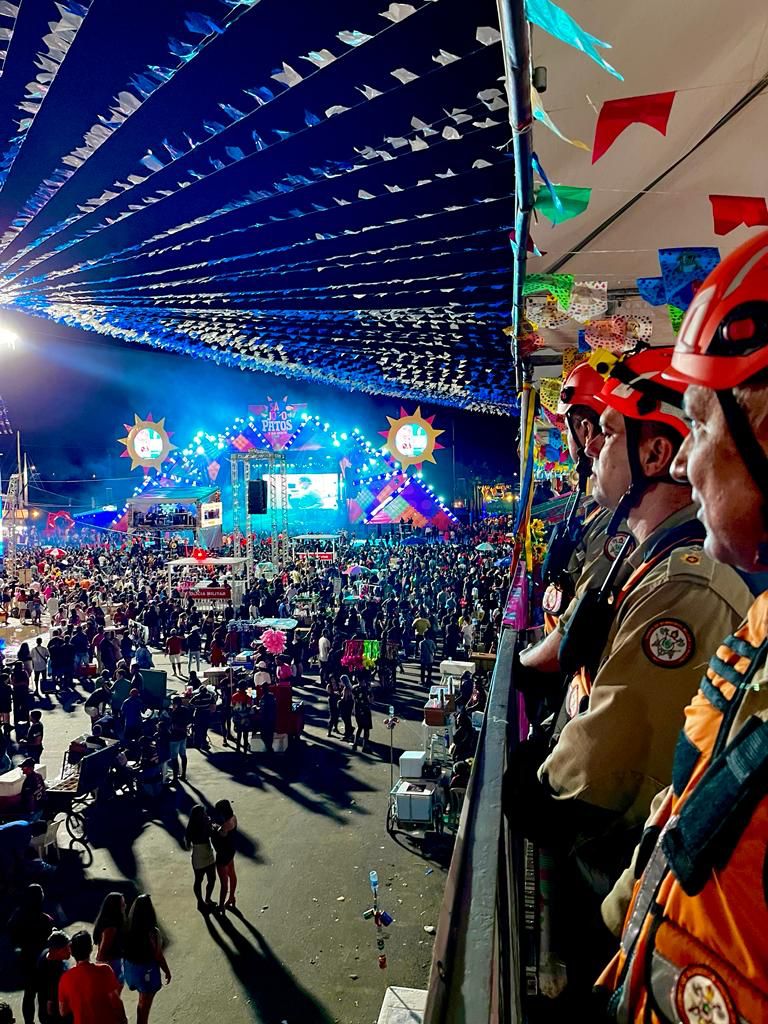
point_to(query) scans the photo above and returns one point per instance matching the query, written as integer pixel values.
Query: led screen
(312, 492)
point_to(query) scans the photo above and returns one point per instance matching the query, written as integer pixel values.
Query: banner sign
(321, 556)
(210, 593)
(277, 420)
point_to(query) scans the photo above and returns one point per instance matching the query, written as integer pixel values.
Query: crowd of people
(104, 614)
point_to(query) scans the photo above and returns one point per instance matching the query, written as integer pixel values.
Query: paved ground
(312, 825)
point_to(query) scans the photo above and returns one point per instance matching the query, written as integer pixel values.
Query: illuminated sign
(147, 443)
(277, 420)
(411, 440)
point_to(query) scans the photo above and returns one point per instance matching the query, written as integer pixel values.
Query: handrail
(476, 972)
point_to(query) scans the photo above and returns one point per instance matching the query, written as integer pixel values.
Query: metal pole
(515, 38)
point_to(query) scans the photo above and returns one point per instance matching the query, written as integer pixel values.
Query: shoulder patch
(668, 643)
(692, 562)
(614, 544)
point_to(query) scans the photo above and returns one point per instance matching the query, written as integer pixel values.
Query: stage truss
(255, 464)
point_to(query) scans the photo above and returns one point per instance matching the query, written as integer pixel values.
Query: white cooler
(414, 801)
(412, 764)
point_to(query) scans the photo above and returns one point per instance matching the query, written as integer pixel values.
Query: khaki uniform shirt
(617, 754)
(592, 558)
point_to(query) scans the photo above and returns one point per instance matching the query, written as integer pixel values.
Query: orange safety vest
(695, 942)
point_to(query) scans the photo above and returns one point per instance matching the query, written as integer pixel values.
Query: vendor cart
(416, 807)
(77, 787)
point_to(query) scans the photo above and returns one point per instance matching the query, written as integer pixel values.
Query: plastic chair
(42, 843)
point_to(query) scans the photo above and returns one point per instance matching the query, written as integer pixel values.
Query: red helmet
(581, 387)
(638, 388)
(723, 339)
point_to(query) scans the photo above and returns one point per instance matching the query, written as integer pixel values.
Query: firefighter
(579, 553)
(694, 945)
(633, 646)
(621, 719)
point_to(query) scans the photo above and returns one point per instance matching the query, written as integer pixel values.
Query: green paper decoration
(573, 200)
(676, 317)
(559, 285)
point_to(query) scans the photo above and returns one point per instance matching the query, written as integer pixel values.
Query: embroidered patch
(553, 599)
(614, 544)
(702, 998)
(573, 699)
(668, 642)
(691, 558)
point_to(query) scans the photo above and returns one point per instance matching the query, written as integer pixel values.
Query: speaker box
(257, 497)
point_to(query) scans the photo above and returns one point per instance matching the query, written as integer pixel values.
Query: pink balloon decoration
(274, 640)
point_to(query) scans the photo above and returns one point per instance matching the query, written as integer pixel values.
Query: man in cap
(694, 941)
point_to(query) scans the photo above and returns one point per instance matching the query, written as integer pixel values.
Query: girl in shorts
(144, 957)
(109, 934)
(224, 844)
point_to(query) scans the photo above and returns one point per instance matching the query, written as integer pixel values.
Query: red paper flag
(728, 212)
(616, 115)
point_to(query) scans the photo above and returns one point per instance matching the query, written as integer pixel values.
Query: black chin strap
(639, 481)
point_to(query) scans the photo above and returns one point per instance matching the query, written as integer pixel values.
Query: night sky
(70, 392)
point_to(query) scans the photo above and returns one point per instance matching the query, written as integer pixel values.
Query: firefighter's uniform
(615, 750)
(695, 943)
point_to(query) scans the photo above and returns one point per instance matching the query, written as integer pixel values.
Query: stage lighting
(8, 338)
(200, 450)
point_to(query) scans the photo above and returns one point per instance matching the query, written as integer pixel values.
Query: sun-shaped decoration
(147, 443)
(412, 440)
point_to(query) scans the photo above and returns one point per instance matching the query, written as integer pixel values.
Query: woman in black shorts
(224, 844)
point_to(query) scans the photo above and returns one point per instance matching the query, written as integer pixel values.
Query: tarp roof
(172, 496)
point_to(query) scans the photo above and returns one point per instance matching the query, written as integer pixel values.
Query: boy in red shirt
(90, 992)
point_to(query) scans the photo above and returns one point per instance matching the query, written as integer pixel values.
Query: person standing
(90, 993)
(180, 717)
(347, 707)
(224, 845)
(202, 703)
(427, 650)
(144, 957)
(40, 658)
(194, 646)
(6, 704)
(30, 928)
(50, 969)
(173, 645)
(323, 655)
(199, 840)
(362, 717)
(267, 718)
(332, 690)
(132, 712)
(109, 934)
(20, 683)
(241, 716)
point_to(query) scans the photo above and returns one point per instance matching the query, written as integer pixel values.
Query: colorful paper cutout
(617, 115)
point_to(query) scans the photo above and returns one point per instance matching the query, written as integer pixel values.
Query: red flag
(728, 212)
(616, 115)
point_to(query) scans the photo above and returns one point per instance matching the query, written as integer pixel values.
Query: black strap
(749, 448)
(719, 808)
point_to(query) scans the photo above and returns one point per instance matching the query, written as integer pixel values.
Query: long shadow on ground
(271, 988)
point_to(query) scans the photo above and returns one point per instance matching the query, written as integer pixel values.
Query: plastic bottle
(446, 739)
(373, 878)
